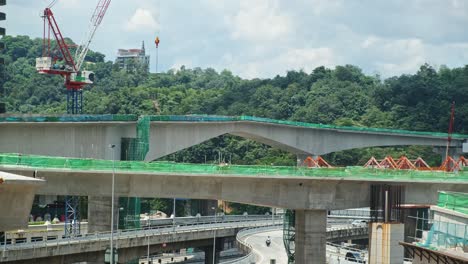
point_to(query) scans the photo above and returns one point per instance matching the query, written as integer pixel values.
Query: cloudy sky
(263, 38)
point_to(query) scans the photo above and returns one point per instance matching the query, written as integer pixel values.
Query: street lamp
(173, 214)
(214, 236)
(112, 147)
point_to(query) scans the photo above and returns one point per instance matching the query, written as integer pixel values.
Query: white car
(359, 222)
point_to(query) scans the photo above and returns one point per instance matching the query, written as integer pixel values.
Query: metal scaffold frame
(72, 216)
(289, 234)
(74, 101)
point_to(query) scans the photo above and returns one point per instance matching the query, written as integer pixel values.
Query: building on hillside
(130, 59)
(443, 237)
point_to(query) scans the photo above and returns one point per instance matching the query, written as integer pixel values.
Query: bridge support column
(99, 213)
(209, 251)
(383, 243)
(311, 236)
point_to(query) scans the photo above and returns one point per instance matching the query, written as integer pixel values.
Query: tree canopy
(343, 96)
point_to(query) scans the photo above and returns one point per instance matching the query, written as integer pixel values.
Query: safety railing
(250, 257)
(146, 232)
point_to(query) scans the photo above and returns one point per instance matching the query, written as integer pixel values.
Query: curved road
(276, 249)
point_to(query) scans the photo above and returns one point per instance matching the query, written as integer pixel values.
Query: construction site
(82, 188)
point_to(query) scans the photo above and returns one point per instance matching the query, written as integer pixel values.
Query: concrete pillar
(206, 207)
(454, 152)
(383, 243)
(209, 255)
(311, 237)
(99, 213)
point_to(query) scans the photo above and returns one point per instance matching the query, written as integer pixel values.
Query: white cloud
(305, 59)
(142, 20)
(260, 20)
(181, 62)
(68, 4)
(395, 56)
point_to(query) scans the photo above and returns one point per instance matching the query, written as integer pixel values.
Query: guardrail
(144, 232)
(204, 219)
(246, 247)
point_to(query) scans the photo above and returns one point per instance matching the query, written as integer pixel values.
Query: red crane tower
(63, 63)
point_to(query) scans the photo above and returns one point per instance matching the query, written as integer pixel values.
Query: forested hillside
(342, 96)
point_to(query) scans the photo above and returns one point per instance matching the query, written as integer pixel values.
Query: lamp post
(112, 146)
(214, 236)
(4, 243)
(173, 214)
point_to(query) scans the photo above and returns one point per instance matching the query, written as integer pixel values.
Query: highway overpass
(133, 244)
(311, 192)
(322, 191)
(88, 136)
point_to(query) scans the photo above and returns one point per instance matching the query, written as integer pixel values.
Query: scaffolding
(72, 216)
(352, 172)
(289, 234)
(133, 149)
(454, 201)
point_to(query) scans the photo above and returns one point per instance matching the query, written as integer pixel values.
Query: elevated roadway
(131, 244)
(89, 135)
(319, 192)
(310, 192)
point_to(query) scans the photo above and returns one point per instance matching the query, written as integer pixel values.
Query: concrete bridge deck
(88, 136)
(321, 191)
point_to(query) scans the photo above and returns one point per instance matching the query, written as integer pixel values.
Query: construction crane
(62, 63)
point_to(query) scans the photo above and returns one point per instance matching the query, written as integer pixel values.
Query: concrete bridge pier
(209, 251)
(99, 213)
(311, 236)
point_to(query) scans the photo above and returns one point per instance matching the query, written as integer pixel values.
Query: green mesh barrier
(207, 118)
(357, 173)
(133, 149)
(210, 118)
(446, 235)
(143, 130)
(68, 118)
(454, 201)
(289, 234)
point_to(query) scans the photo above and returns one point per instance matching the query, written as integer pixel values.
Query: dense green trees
(342, 96)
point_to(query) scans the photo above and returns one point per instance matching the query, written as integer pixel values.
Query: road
(157, 230)
(276, 249)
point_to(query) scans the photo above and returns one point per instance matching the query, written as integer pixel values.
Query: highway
(275, 251)
(255, 240)
(127, 239)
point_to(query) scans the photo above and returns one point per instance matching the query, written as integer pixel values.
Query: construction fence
(354, 172)
(454, 201)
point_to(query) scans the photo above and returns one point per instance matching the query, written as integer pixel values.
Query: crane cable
(158, 32)
(52, 4)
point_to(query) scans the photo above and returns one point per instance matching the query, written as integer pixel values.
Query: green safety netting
(247, 170)
(289, 234)
(446, 235)
(68, 118)
(454, 201)
(134, 149)
(211, 118)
